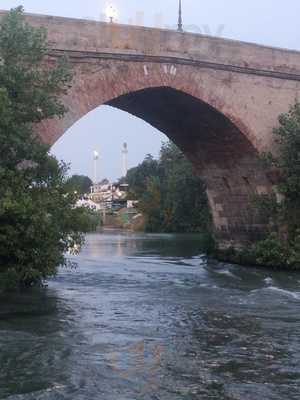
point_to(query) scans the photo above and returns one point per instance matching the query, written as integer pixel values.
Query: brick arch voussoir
(92, 89)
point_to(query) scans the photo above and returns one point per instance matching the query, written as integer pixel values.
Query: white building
(108, 195)
(89, 204)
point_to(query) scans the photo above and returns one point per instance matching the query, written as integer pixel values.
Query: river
(149, 317)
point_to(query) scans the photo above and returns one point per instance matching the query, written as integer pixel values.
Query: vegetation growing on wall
(282, 247)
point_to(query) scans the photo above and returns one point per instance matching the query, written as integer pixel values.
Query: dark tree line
(171, 197)
(79, 184)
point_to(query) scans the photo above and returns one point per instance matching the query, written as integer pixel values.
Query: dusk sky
(269, 22)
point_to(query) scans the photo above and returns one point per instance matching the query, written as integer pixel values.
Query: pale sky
(270, 22)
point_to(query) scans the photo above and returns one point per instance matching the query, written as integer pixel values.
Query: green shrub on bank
(271, 252)
(93, 220)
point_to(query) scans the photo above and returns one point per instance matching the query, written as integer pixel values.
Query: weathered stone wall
(217, 99)
(92, 36)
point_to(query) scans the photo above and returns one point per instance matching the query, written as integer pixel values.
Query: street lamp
(96, 158)
(180, 26)
(111, 13)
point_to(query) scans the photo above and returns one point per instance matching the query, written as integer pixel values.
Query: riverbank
(262, 255)
(269, 254)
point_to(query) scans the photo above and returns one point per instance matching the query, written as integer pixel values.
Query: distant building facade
(109, 196)
(89, 204)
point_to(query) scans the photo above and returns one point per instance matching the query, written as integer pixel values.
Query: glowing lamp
(111, 13)
(96, 155)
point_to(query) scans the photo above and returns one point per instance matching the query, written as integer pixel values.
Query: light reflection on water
(148, 317)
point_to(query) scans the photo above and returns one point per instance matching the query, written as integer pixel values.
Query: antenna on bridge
(180, 26)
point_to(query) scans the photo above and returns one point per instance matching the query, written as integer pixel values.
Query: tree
(171, 197)
(80, 184)
(137, 177)
(288, 162)
(185, 199)
(38, 220)
(282, 247)
(150, 204)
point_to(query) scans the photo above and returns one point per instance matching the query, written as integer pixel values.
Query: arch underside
(221, 154)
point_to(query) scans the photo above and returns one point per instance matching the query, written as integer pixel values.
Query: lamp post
(124, 160)
(96, 158)
(180, 26)
(111, 13)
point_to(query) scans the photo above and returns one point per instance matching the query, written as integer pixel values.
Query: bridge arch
(197, 118)
(100, 82)
(221, 153)
(238, 89)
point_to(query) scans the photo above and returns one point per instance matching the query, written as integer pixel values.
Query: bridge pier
(237, 222)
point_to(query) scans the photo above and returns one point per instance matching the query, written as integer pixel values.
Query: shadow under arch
(189, 122)
(220, 152)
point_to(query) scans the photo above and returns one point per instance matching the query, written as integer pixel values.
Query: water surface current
(150, 317)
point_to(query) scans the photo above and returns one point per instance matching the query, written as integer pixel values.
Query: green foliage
(137, 177)
(283, 248)
(150, 204)
(170, 196)
(38, 218)
(185, 199)
(288, 163)
(271, 252)
(294, 256)
(80, 184)
(91, 219)
(288, 138)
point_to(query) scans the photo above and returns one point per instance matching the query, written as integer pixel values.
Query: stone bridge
(217, 99)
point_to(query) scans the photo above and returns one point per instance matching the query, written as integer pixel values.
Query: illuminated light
(111, 13)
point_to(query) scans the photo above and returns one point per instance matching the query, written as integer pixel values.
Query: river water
(149, 317)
